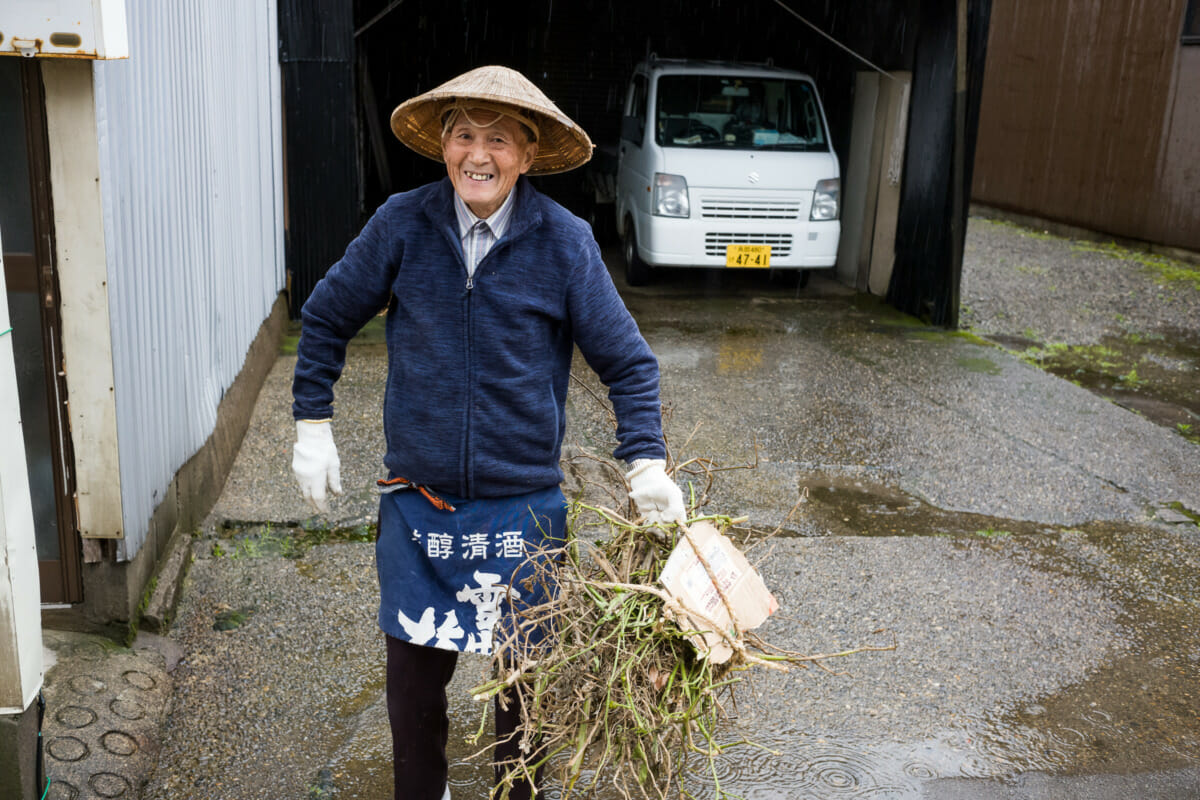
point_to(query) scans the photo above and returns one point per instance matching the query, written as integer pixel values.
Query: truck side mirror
(632, 129)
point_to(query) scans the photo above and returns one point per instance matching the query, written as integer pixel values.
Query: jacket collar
(526, 213)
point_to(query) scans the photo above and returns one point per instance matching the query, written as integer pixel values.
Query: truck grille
(781, 243)
(717, 208)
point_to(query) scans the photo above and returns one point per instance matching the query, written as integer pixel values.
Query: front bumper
(719, 220)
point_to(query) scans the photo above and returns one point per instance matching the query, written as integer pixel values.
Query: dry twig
(612, 688)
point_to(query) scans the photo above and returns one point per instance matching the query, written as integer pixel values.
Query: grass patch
(1131, 380)
(1187, 512)
(1188, 431)
(1028, 233)
(1166, 270)
(256, 541)
(132, 631)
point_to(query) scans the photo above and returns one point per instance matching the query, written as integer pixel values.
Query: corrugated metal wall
(1085, 118)
(190, 153)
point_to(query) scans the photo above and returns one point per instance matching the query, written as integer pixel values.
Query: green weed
(1028, 233)
(1187, 512)
(132, 631)
(1167, 270)
(270, 540)
(1131, 380)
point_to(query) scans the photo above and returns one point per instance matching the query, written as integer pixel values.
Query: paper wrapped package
(686, 579)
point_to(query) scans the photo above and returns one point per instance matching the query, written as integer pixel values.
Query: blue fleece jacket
(478, 368)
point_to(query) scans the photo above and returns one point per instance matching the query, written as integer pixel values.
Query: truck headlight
(825, 200)
(670, 195)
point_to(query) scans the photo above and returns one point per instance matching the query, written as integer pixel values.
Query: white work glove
(656, 496)
(315, 462)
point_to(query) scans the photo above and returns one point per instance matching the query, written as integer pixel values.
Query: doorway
(26, 229)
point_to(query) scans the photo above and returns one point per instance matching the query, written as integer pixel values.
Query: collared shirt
(478, 235)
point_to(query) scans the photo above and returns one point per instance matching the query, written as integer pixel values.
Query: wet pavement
(1031, 544)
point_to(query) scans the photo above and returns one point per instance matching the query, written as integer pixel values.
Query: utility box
(64, 29)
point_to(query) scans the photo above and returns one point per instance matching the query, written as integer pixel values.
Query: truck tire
(637, 272)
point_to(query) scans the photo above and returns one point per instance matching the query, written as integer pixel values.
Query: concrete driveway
(1026, 540)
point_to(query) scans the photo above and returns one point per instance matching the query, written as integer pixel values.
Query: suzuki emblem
(752, 177)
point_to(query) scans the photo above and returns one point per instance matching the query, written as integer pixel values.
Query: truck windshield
(738, 112)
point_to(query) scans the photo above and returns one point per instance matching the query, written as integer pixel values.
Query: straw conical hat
(562, 145)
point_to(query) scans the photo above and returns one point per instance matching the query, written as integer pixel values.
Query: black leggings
(417, 710)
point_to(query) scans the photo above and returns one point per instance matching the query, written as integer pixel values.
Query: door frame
(61, 580)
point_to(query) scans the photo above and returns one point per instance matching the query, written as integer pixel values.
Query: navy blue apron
(447, 578)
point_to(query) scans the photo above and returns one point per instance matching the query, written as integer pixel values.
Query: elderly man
(489, 287)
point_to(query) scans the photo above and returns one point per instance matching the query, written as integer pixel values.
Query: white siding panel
(190, 164)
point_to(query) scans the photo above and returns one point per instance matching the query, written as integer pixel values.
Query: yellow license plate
(756, 256)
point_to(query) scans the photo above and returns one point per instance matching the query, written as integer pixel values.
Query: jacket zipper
(469, 336)
(468, 471)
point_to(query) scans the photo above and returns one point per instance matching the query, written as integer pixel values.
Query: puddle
(1156, 375)
(801, 765)
(857, 507)
(739, 356)
(1139, 711)
(362, 768)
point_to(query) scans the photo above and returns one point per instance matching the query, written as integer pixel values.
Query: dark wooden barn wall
(1089, 118)
(933, 195)
(321, 195)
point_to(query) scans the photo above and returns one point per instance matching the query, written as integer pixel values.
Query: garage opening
(358, 63)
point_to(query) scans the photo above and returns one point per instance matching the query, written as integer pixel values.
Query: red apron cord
(387, 485)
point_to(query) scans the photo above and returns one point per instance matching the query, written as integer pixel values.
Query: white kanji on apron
(449, 632)
(486, 597)
(444, 577)
(475, 545)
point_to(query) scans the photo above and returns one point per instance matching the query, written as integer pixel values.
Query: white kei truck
(725, 165)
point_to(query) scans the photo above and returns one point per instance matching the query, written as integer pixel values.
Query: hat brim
(562, 144)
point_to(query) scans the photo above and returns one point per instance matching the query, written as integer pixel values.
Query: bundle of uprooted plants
(617, 694)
